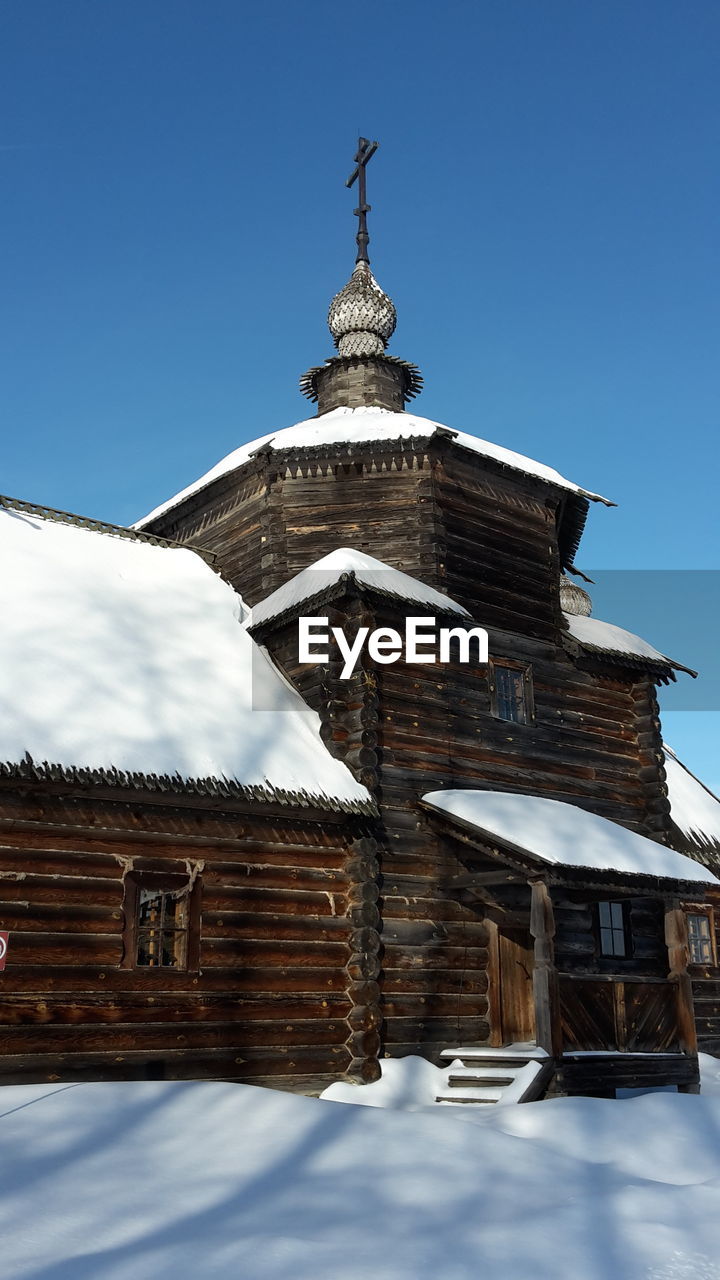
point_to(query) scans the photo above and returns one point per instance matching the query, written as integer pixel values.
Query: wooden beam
(469, 879)
(676, 938)
(548, 1030)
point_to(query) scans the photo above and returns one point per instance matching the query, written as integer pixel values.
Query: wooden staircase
(515, 1073)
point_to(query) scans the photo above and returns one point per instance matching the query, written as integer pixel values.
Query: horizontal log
(448, 1031)
(43, 979)
(66, 919)
(243, 928)
(205, 1064)
(121, 1037)
(170, 1008)
(397, 982)
(434, 957)
(226, 951)
(435, 1005)
(63, 949)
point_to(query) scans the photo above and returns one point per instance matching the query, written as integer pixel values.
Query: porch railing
(630, 1015)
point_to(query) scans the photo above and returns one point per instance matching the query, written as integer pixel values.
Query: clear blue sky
(175, 221)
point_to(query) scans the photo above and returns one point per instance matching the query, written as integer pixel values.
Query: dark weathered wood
(327, 940)
(603, 1074)
(677, 943)
(548, 1030)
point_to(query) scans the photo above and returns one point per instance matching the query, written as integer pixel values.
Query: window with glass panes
(612, 929)
(162, 921)
(511, 689)
(161, 931)
(700, 939)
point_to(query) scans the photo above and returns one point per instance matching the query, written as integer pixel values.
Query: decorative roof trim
(217, 789)
(334, 591)
(413, 378)
(665, 668)
(59, 516)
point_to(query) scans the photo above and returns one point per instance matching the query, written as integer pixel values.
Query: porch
(587, 941)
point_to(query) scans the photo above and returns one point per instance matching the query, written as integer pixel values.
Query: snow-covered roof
(366, 570)
(563, 835)
(693, 809)
(120, 655)
(358, 426)
(595, 634)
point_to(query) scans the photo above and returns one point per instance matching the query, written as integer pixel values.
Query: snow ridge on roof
(120, 656)
(693, 808)
(358, 426)
(561, 834)
(595, 634)
(366, 570)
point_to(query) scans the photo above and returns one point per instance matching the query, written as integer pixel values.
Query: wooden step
(479, 1079)
(508, 1054)
(470, 1095)
(495, 1064)
(464, 1102)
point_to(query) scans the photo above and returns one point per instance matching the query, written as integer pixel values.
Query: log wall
(274, 999)
(489, 537)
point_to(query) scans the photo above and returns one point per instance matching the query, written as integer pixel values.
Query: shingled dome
(362, 318)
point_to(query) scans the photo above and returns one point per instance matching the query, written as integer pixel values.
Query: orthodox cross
(366, 150)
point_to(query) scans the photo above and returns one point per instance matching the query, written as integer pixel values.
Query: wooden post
(548, 1030)
(676, 938)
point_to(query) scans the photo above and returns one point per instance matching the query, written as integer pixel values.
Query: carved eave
(344, 586)
(219, 793)
(99, 526)
(224, 491)
(405, 375)
(662, 671)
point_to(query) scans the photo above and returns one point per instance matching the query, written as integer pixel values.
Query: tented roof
(120, 655)
(561, 834)
(359, 426)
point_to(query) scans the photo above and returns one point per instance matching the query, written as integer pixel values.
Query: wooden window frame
(168, 882)
(701, 909)
(627, 930)
(525, 672)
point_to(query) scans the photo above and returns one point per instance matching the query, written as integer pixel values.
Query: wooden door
(512, 1010)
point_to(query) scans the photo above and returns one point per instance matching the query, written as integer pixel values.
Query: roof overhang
(515, 861)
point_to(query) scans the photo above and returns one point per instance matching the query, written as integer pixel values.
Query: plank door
(512, 1009)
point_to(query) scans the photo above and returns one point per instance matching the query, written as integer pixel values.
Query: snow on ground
(195, 1181)
(367, 571)
(115, 653)
(355, 426)
(406, 1084)
(694, 809)
(563, 834)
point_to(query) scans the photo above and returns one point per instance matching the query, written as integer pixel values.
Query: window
(700, 935)
(612, 926)
(161, 922)
(511, 692)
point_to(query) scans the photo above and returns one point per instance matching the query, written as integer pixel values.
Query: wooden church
(223, 857)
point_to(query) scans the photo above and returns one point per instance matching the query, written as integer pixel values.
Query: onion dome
(362, 318)
(574, 599)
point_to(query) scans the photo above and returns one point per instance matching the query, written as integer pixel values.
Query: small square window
(161, 922)
(511, 692)
(612, 928)
(700, 937)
